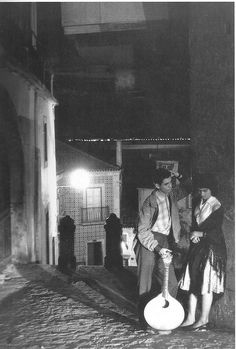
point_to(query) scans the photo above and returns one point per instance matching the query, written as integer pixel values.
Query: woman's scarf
(205, 208)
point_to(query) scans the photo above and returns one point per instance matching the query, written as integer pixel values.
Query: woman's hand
(195, 236)
(195, 240)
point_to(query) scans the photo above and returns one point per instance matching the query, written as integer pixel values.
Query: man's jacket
(148, 216)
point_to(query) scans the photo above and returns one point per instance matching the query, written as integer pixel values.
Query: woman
(204, 273)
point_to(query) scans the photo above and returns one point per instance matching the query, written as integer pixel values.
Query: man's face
(166, 186)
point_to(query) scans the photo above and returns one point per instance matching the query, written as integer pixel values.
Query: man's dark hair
(160, 174)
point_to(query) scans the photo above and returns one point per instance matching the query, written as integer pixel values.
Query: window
(94, 197)
(94, 211)
(45, 141)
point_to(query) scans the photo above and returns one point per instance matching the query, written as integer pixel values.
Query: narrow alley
(95, 99)
(43, 308)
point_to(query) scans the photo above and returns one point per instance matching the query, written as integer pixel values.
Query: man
(158, 232)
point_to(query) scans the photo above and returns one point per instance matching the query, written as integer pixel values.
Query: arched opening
(11, 181)
(5, 227)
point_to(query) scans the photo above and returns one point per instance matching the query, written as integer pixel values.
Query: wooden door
(94, 249)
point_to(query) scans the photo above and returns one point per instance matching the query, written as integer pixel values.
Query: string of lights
(129, 139)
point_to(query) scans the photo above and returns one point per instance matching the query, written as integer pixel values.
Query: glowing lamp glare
(80, 179)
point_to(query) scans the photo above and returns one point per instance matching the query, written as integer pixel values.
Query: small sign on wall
(170, 165)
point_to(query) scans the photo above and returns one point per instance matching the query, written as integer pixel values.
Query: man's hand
(165, 252)
(176, 174)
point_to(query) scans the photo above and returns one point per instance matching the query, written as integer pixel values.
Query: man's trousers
(151, 273)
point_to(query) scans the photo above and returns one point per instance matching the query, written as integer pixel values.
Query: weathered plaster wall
(32, 106)
(211, 38)
(44, 109)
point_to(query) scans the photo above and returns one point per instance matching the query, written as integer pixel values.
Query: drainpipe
(119, 153)
(119, 163)
(51, 83)
(33, 24)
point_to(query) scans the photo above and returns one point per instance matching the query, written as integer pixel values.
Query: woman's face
(205, 193)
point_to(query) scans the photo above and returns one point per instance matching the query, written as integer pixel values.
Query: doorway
(94, 253)
(47, 237)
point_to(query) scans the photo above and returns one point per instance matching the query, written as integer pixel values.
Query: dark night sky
(157, 103)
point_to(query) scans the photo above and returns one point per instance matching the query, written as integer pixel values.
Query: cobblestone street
(42, 308)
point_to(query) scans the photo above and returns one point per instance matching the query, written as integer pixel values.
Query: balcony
(94, 214)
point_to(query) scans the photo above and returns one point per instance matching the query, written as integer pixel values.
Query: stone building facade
(211, 48)
(90, 204)
(27, 157)
(28, 183)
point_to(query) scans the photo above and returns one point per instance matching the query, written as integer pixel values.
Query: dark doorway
(95, 253)
(5, 230)
(11, 177)
(47, 237)
(5, 234)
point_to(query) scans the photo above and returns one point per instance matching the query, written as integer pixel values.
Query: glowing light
(80, 179)
(124, 247)
(167, 139)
